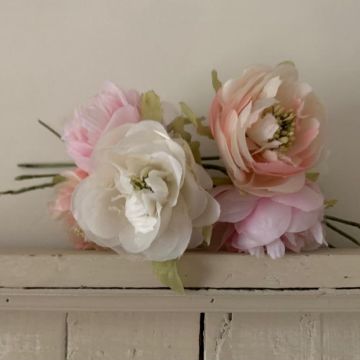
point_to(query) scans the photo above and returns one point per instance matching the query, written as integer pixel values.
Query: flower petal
(268, 222)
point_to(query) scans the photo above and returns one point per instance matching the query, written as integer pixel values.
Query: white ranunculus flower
(145, 193)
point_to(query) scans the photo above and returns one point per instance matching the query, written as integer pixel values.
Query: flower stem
(26, 189)
(207, 158)
(342, 233)
(46, 165)
(48, 127)
(343, 221)
(33, 176)
(215, 167)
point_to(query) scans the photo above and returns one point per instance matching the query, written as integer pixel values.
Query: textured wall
(55, 54)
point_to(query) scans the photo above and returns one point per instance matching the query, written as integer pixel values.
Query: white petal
(174, 236)
(271, 87)
(211, 213)
(276, 249)
(138, 216)
(195, 197)
(263, 130)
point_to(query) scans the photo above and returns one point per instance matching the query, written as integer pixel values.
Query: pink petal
(235, 206)
(302, 221)
(306, 199)
(268, 222)
(126, 114)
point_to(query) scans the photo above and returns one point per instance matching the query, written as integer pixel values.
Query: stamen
(286, 121)
(139, 183)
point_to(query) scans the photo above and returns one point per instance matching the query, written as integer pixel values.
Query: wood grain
(120, 336)
(286, 336)
(32, 335)
(323, 300)
(330, 268)
(340, 336)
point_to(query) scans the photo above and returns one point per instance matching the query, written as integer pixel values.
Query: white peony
(145, 193)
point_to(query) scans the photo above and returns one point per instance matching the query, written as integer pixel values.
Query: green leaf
(201, 129)
(150, 106)
(216, 83)
(167, 273)
(195, 149)
(289, 62)
(177, 127)
(206, 233)
(185, 109)
(312, 176)
(330, 203)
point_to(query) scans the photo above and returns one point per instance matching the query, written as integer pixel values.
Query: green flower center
(285, 134)
(139, 183)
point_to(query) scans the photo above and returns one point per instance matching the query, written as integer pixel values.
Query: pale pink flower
(60, 208)
(254, 224)
(269, 129)
(109, 109)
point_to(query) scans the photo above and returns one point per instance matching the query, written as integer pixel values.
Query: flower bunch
(139, 184)
(269, 127)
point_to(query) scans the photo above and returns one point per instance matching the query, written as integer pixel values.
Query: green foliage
(207, 232)
(167, 273)
(216, 83)
(330, 203)
(150, 106)
(312, 176)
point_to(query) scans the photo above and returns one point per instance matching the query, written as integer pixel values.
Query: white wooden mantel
(99, 305)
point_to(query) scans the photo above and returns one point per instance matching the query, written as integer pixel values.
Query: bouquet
(139, 183)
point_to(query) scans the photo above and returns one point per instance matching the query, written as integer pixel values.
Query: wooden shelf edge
(326, 268)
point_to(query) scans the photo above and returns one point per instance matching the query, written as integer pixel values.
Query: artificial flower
(110, 108)
(145, 193)
(253, 224)
(60, 207)
(269, 128)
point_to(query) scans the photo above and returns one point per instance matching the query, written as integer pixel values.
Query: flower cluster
(141, 191)
(269, 127)
(139, 184)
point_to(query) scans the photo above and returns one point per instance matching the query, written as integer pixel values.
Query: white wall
(55, 54)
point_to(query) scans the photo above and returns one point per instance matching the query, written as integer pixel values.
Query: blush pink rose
(269, 129)
(254, 224)
(109, 109)
(60, 208)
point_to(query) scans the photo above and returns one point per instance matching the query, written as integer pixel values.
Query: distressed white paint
(121, 314)
(335, 268)
(146, 336)
(256, 301)
(286, 336)
(32, 335)
(341, 336)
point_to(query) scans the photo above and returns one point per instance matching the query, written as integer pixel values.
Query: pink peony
(107, 110)
(269, 129)
(252, 224)
(60, 208)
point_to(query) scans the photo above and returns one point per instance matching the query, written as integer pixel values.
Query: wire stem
(343, 221)
(342, 233)
(215, 167)
(48, 127)
(208, 158)
(26, 189)
(46, 165)
(34, 176)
